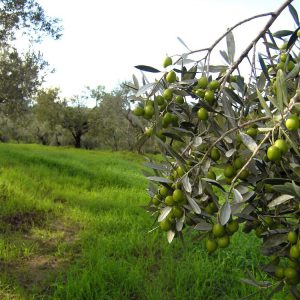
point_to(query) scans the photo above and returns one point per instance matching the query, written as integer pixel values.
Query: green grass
(72, 227)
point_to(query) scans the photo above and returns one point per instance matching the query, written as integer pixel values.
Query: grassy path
(72, 227)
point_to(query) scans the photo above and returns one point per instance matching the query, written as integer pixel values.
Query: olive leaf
(155, 166)
(135, 82)
(214, 182)
(203, 226)
(248, 141)
(147, 69)
(255, 283)
(230, 46)
(292, 40)
(281, 91)
(263, 66)
(233, 96)
(179, 223)
(164, 213)
(230, 152)
(194, 205)
(217, 69)
(280, 200)
(242, 189)
(274, 240)
(237, 196)
(190, 74)
(144, 89)
(225, 213)
(263, 103)
(160, 179)
(170, 236)
(282, 33)
(200, 188)
(186, 184)
(225, 56)
(183, 43)
(294, 14)
(286, 188)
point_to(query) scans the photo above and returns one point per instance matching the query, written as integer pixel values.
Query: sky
(103, 40)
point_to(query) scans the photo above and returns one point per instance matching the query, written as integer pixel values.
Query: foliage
(22, 74)
(109, 120)
(20, 78)
(231, 146)
(46, 115)
(26, 17)
(53, 120)
(75, 119)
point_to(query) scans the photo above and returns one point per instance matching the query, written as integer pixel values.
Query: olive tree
(231, 146)
(20, 79)
(22, 73)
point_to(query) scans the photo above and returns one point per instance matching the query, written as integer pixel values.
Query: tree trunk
(115, 142)
(57, 140)
(77, 139)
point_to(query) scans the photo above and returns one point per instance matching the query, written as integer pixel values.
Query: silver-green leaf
(280, 200)
(186, 184)
(237, 196)
(248, 141)
(194, 205)
(164, 213)
(230, 46)
(225, 213)
(159, 179)
(281, 91)
(170, 236)
(203, 226)
(264, 103)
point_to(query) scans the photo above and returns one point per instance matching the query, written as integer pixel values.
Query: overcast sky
(104, 40)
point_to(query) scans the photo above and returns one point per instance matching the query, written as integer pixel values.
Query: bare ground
(55, 247)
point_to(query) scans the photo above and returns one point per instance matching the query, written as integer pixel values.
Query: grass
(72, 227)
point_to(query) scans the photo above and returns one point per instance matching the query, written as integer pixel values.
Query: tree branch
(222, 137)
(230, 29)
(274, 16)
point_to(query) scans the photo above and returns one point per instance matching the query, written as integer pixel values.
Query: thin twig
(223, 136)
(248, 162)
(286, 111)
(240, 126)
(230, 29)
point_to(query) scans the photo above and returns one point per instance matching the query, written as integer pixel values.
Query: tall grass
(114, 256)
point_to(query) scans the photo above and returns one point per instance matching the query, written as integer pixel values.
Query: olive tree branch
(222, 137)
(294, 100)
(274, 16)
(209, 49)
(240, 126)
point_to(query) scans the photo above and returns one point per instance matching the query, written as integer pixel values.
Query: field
(72, 227)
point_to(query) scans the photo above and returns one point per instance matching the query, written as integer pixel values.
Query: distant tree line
(52, 120)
